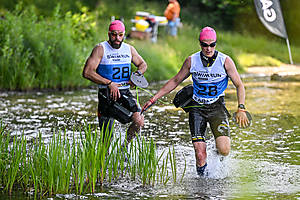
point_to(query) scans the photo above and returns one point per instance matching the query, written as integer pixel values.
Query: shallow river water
(264, 162)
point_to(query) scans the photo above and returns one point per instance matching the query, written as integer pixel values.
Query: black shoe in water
(200, 170)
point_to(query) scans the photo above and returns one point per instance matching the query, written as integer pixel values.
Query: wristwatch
(241, 106)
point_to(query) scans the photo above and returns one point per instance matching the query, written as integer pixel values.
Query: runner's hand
(148, 104)
(241, 118)
(114, 91)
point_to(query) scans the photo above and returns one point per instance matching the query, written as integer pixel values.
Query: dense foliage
(45, 8)
(45, 44)
(43, 53)
(237, 15)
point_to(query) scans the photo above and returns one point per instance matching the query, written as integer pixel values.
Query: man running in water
(109, 66)
(210, 71)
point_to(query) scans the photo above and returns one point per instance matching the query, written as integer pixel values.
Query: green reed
(4, 153)
(123, 154)
(184, 170)
(106, 149)
(24, 173)
(15, 159)
(133, 160)
(59, 161)
(90, 147)
(163, 173)
(65, 167)
(147, 162)
(173, 164)
(38, 166)
(79, 165)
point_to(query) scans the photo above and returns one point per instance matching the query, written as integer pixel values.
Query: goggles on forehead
(115, 33)
(203, 44)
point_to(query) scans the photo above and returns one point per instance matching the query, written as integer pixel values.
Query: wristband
(109, 83)
(152, 101)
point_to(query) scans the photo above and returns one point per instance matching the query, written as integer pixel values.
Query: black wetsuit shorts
(215, 114)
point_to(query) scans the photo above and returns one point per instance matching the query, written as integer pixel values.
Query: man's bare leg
(201, 156)
(135, 126)
(223, 145)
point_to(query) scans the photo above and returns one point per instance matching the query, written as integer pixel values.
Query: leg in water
(201, 170)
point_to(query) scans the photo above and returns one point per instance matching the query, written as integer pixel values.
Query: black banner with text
(269, 13)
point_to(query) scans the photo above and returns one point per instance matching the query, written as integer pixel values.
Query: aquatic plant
(14, 160)
(79, 165)
(4, 153)
(173, 164)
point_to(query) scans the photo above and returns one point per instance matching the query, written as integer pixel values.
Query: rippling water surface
(264, 162)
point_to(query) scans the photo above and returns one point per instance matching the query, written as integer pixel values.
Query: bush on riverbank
(43, 53)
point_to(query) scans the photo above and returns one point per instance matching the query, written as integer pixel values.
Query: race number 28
(208, 90)
(120, 73)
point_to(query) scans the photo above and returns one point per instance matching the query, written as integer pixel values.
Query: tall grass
(261, 46)
(16, 157)
(163, 62)
(245, 50)
(4, 153)
(80, 165)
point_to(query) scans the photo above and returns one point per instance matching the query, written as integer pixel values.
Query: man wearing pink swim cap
(210, 70)
(109, 66)
(116, 33)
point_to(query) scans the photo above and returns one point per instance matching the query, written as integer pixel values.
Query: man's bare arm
(183, 73)
(89, 71)
(241, 117)
(236, 80)
(138, 61)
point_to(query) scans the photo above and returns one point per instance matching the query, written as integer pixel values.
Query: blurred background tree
(238, 16)
(232, 15)
(47, 42)
(45, 8)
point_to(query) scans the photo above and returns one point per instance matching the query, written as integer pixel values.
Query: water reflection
(264, 162)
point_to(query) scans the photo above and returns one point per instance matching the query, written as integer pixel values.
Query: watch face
(241, 106)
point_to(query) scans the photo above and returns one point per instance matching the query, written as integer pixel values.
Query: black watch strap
(241, 106)
(138, 72)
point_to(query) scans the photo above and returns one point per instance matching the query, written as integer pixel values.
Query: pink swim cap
(208, 33)
(117, 25)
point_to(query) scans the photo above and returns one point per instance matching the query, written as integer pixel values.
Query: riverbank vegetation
(46, 46)
(81, 164)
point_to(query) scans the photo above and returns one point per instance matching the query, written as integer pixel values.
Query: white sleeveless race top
(115, 64)
(209, 82)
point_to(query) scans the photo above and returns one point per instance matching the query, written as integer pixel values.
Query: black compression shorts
(215, 114)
